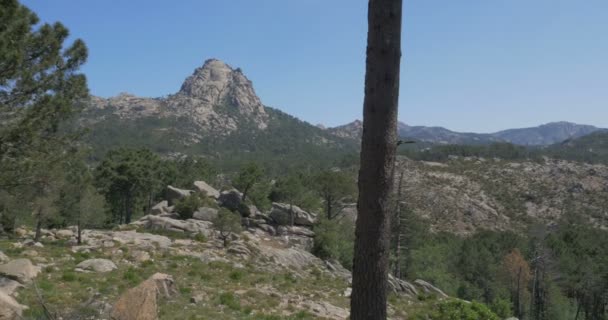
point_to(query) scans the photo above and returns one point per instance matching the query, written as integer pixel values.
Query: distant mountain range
(217, 114)
(542, 135)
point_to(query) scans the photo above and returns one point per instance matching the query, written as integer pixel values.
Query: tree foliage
(128, 178)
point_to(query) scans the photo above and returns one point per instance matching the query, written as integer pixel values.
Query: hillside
(216, 113)
(591, 148)
(467, 194)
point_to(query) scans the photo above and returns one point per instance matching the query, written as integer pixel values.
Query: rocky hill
(215, 113)
(164, 267)
(542, 135)
(464, 195)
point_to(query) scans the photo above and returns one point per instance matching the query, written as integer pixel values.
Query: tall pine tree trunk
(38, 225)
(378, 148)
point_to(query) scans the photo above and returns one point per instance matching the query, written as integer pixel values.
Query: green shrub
(502, 308)
(200, 237)
(68, 276)
(187, 206)
(236, 275)
(230, 300)
(462, 310)
(335, 240)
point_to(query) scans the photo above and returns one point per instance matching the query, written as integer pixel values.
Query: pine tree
(40, 89)
(378, 149)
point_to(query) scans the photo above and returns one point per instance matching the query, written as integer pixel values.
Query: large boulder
(21, 270)
(64, 234)
(205, 214)
(141, 302)
(9, 308)
(206, 189)
(174, 194)
(231, 199)
(281, 214)
(96, 265)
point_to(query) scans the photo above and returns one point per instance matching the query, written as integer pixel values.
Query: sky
(467, 65)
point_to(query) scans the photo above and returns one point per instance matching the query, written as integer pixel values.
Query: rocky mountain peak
(217, 83)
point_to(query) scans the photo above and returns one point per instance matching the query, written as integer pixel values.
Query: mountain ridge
(541, 135)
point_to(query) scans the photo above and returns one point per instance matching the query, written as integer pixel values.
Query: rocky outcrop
(98, 238)
(206, 189)
(166, 223)
(282, 214)
(141, 302)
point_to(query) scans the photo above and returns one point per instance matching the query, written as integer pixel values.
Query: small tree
(227, 223)
(334, 187)
(91, 210)
(290, 189)
(518, 274)
(247, 177)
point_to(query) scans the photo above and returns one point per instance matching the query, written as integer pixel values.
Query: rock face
(141, 302)
(281, 214)
(203, 187)
(97, 265)
(166, 223)
(21, 270)
(216, 84)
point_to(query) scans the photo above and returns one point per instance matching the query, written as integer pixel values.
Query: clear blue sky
(469, 65)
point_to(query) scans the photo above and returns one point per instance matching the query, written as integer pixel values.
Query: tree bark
(378, 148)
(38, 225)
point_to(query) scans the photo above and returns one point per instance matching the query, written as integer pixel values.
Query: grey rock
(9, 286)
(205, 214)
(160, 208)
(281, 213)
(206, 189)
(10, 309)
(97, 265)
(174, 194)
(166, 223)
(64, 234)
(21, 270)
